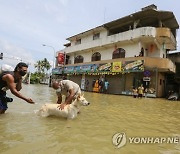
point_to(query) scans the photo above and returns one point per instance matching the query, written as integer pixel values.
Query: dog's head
(43, 111)
(82, 100)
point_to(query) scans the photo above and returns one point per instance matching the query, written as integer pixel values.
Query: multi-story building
(173, 80)
(127, 52)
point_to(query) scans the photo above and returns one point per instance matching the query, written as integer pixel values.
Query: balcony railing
(163, 35)
(120, 37)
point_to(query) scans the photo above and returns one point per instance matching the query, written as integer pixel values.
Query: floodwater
(23, 132)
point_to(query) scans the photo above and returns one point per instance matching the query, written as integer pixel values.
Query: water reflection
(91, 132)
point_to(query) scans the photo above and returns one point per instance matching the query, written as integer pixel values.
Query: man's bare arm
(70, 97)
(59, 101)
(12, 86)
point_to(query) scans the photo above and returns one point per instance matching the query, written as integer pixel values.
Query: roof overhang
(146, 17)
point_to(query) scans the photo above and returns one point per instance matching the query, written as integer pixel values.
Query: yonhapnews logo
(120, 139)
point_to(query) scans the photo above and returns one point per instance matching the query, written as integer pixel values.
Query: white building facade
(127, 52)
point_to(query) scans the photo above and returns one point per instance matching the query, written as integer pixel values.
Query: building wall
(123, 37)
(161, 85)
(106, 53)
(89, 37)
(132, 41)
(132, 50)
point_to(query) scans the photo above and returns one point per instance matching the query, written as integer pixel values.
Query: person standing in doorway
(135, 92)
(96, 86)
(140, 91)
(87, 85)
(106, 86)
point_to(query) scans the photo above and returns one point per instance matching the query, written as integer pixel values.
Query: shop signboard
(116, 67)
(134, 66)
(85, 68)
(147, 73)
(76, 69)
(81, 69)
(57, 71)
(146, 79)
(69, 69)
(104, 67)
(94, 67)
(60, 58)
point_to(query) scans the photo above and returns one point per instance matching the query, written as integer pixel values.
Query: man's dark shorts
(3, 104)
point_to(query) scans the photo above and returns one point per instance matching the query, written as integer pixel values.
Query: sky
(27, 24)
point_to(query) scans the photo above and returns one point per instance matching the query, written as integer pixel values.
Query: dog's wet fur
(70, 111)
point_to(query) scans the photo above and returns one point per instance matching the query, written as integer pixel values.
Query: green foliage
(36, 77)
(42, 67)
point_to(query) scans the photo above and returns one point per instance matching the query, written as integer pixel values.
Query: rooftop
(148, 16)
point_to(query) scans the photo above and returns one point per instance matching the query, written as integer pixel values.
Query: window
(96, 56)
(78, 59)
(96, 36)
(118, 53)
(78, 41)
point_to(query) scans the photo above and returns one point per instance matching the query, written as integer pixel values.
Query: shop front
(122, 77)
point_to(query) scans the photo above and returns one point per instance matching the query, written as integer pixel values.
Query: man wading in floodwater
(67, 88)
(12, 80)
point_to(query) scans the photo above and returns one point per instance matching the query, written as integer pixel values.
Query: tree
(38, 65)
(46, 64)
(42, 67)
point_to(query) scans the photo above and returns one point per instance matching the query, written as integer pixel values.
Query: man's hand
(29, 100)
(61, 106)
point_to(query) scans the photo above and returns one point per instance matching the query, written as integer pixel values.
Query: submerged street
(22, 131)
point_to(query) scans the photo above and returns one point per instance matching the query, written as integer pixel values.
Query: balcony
(163, 35)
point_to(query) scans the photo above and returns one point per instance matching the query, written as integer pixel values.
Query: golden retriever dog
(70, 111)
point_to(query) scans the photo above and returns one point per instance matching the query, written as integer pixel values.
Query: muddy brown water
(23, 132)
